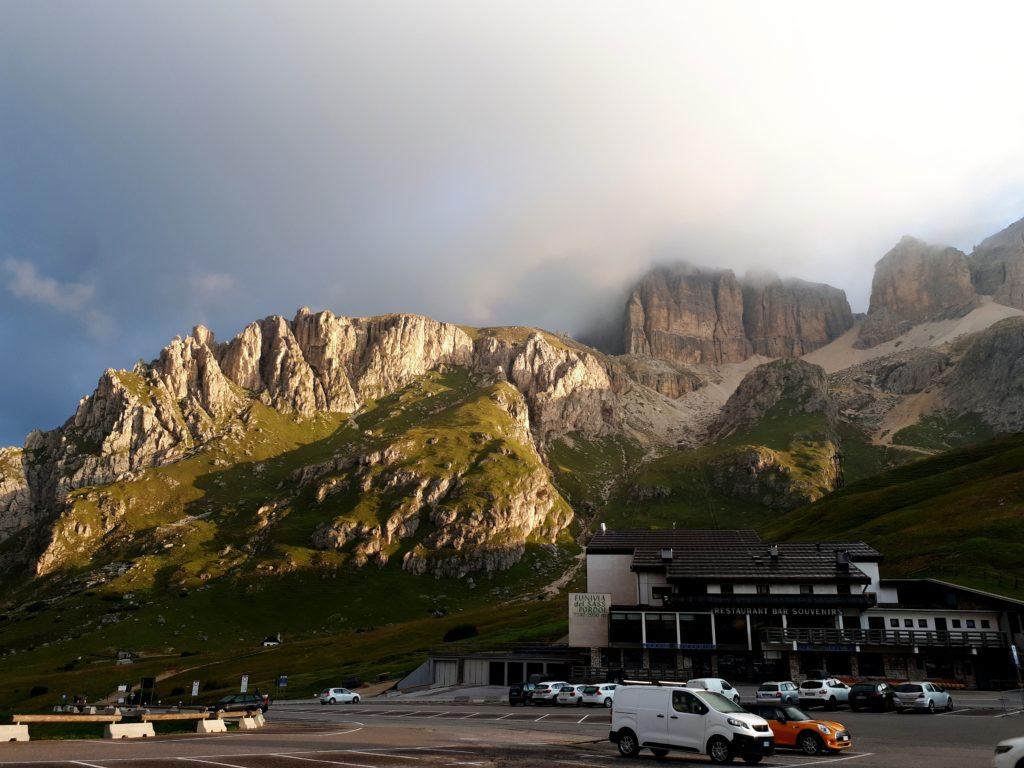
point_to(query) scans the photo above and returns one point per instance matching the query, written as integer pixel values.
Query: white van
(662, 718)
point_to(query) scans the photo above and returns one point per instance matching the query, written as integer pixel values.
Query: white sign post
(195, 688)
(245, 684)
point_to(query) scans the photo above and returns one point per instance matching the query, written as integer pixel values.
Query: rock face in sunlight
(915, 282)
(683, 314)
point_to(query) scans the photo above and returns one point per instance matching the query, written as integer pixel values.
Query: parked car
(785, 692)
(520, 693)
(1009, 753)
(570, 695)
(339, 696)
(792, 727)
(926, 697)
(602, 695)
(241, 702)
(547, 692)
(665, 718)
(828, 692)
(878, 696)
(715, 685)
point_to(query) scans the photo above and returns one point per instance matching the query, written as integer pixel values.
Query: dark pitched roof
(732, 555)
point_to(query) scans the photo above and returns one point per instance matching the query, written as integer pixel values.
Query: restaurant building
(690, 603)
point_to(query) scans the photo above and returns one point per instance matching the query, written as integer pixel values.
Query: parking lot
(389, 736)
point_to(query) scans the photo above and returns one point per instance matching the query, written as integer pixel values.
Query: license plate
(767, 744)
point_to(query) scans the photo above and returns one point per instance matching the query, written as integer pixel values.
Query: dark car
(878, 696)
(241, 702)
(521, 693)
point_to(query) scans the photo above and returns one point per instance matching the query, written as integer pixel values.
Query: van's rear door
(685, 721)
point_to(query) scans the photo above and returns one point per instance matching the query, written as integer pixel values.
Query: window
(986, 624)
(922, 623)
(956, 623)
(971, 623)
(685, 702)
(763, 589)
(660, 593)
(892, 622)
(908, 622)
(843, 589)
(727, 589)
(806, 589)
(625, 628)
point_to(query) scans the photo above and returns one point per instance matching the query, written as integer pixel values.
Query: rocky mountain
(997, 266)
(915, 282)
(682, 314)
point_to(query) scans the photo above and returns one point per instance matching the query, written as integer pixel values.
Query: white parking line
(540, 718)
(209, 762)
(833, 759)
(504, 716)
(582, 719)
(382, 754)
(89, 765)
(1012, 712)
(317, 760)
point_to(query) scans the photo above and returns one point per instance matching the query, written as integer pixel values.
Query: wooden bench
(26, 719)
(151, 717)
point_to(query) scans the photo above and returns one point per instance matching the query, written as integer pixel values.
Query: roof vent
(666, 555)
(773, 551)
(842, 560)
(604, 528)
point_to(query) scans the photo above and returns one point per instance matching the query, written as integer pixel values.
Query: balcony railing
(919, 637)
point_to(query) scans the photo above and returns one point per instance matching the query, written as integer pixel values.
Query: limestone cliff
(682, 314)
(989, 378)
(915, 282)
(997, 266)
(15, 502)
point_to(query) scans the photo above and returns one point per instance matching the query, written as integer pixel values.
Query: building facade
(725, 603)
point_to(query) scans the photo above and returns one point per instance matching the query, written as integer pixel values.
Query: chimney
(842, 560)
(666, 555)
(604, 528)
(773, 551)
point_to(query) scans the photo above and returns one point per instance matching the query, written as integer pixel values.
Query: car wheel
(628, 744)
(931, 707)
(949, 704)
(579, 702)
(809, 743)
(752, 759)
(608, 703)
(659, 753)
(719, 751)
(355, 699)
(331, 700)
(831, 703)
(736, 699)
(854, 708)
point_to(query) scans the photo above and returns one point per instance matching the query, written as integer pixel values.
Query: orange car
(792, 727)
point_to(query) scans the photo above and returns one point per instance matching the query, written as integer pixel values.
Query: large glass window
(695, 628)
(661, 627)
(625, 628)
(731, 630)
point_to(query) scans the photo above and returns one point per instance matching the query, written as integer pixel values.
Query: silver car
(921, 696)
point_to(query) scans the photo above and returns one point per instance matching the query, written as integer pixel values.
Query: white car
(339, 696)
(570, 695)
(663, 718)
(926, 697)
(715, 685)
(602, 695)
(1009, 753)
(547, 692)
(829, 692)
(781, 693)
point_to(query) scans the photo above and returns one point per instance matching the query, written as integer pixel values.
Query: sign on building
(588, 619)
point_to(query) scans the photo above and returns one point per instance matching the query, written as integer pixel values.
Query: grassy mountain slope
(957, 515)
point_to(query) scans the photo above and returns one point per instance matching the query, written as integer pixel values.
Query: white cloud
(25, 282)
(213, 283)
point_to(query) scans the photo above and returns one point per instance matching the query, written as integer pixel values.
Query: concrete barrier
(211, 726)
(259, 719)
(128, 731)
(13, 733)
(247, 724)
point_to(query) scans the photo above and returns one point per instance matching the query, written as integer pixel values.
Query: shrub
(460, 632)
(38, 690)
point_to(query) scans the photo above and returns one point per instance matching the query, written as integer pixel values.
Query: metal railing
(919, 637)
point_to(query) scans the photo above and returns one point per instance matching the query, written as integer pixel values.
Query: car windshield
(769, 687)
(719, 702)
(811, 684)
(909, 688)
(590, 690)
(795, 714)
(866, 687)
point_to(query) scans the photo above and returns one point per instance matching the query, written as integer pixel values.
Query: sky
(164, 164)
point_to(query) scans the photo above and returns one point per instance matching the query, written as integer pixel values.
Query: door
(496, 673)
(686, 720)
(651, 718)
(446, 673)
